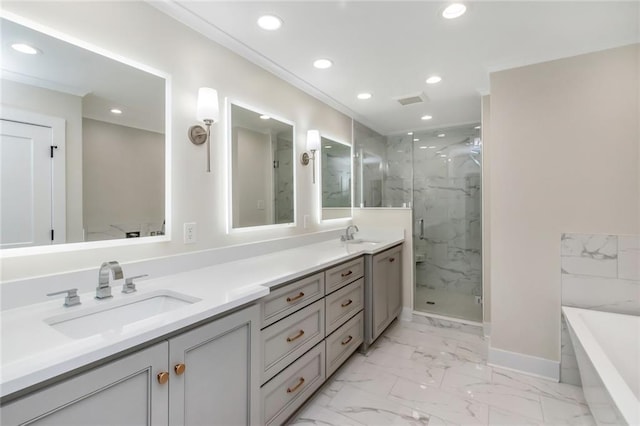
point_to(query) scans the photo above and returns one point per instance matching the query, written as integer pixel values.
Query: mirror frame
(229, 172)
(319, 180)
(68, 247)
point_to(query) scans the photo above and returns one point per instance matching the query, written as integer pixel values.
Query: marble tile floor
(447, 303)
(430, 372)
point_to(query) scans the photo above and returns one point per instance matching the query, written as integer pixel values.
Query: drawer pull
(346, 274)
(392, 259)
(293, 299)
(163, 377)
(179, 369)
(295, 388)
(347, 340)
(344, 305)
(300, 334)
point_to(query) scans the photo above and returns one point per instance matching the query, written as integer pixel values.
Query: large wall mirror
(336, 179)
(83, 152)
(262, 174)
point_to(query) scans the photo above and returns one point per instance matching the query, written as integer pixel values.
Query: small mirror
(83, 144)
(262, 185)
(336, 179)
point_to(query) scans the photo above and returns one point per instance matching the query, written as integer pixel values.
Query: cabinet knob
(179, 369)
(163, 377)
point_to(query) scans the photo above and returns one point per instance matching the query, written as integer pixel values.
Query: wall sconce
(208, 112)
(313, 144)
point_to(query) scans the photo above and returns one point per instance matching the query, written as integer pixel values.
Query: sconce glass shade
(313, 140)
(207, 105)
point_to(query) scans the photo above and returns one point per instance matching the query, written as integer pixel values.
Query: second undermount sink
(114, 315)
(364, 243)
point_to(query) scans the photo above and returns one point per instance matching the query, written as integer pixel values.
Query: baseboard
(406, 314)
(527, 364)
(486, 328)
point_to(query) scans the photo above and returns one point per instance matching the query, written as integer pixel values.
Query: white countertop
(33, 351)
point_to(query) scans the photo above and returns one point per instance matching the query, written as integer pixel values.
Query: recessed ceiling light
(449, 159)
(416, 140)
(426, 117)
(364, 96)
(115, 111)
(409, 133)
(269, 22)
(327, 146)
(322, 63)
(441, 135)
(454, 10)
(24, 48)
(443, 155)
(477, 127)
(423, 147)
(434, 79)
(264, 117)
(431, 147)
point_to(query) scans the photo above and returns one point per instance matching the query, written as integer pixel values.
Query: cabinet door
(219, 383)
(379, 292)
(394, 282)
(122, 392)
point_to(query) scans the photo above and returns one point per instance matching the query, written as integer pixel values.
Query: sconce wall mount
(313, 145)
(207, 112)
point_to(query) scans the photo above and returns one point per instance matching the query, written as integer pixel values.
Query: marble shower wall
(447, 196)
(600, 272)
(283, 181)
(398, 181)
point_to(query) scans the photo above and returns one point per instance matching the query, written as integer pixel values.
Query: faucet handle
(129, 286)
(72, 297)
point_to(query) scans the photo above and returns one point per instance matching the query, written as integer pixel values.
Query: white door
(25, 185)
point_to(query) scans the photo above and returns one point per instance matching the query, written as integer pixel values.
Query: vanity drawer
(286, 392)
(342, 343)
(289, 338)
(288, 299)
(343, 303)
(340, 275)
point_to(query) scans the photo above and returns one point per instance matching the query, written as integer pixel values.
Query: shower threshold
(447, 305)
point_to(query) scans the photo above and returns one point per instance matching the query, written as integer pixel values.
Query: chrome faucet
(103, 290)
(348, 234)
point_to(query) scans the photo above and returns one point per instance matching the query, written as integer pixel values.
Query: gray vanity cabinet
(214, 377)
(384, 290)
(208, 375)
(121, 392)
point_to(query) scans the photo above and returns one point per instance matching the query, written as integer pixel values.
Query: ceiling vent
(412, 99)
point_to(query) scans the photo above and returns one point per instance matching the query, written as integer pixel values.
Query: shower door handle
(421, 229)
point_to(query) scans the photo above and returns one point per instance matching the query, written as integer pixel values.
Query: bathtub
(607, 348)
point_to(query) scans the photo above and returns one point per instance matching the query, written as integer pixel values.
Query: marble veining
(600, 272)
(434, 372)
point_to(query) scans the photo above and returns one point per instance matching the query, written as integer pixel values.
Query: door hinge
(51, 148)
(52, 235)
(276, 164)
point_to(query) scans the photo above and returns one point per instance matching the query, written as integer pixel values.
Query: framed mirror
(336, 179)
(83, 153)
(262, 182)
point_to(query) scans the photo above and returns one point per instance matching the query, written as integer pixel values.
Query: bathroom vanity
(252, 340)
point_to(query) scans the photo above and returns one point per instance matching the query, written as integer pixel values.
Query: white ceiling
(388, 48)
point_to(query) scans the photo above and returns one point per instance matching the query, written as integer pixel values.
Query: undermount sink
(115, 315)
(361, 242)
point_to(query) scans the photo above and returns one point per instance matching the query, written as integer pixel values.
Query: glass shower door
(447, 177)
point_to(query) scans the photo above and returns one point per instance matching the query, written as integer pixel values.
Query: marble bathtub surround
(598, 272)
(431, 372)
